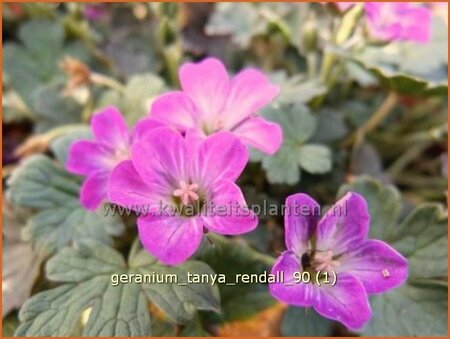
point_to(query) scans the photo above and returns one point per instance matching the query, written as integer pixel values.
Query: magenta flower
(398, 21)
(181, 185)
(96, 158)
(334, 246)
(211, 102)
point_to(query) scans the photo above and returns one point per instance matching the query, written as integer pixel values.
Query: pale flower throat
(323, 261)
(187, 193)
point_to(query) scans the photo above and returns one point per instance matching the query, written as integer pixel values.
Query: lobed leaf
(42, 184)
(111, 309)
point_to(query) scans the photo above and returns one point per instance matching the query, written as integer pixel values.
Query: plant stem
(103, 80)
(406, 158)
(380, 114)
(344, 31)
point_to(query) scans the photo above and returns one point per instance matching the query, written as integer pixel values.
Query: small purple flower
(337, 245)
(178, 184)
(95, 159)
(212, 102)
(398, 21)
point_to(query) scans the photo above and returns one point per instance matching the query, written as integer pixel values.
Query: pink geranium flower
(96, 158)
(335, 244)
(211, 102)
(398, 21)
(181, 185)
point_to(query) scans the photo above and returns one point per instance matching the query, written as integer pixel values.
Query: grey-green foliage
(31, 69)
(241, 20)
(43, 184)
(299, 321)
(51, 109)
(420, 306)
(135, 101)
(298, 125)
(34, 61)
(87, 274)
(231, 257)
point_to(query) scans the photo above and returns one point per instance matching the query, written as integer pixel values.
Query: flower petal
(301, 215)
(86, 157)
(207, 85)
(250, 91)
(144, 126)
(345, 225)
(160, 158)
(398, 21)
(169, 238)
(109, 128)
(262, 134)
(346, 302)
(377, 265)
(288, 291)
(417, 25)
(93, 191)
(174, 109)
(220, 157)
(127, 189)
(227, 210)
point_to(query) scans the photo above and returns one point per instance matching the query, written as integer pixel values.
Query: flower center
(117, 156)
(188, 199)
(324, 262)
(187, 193)
(214, 126)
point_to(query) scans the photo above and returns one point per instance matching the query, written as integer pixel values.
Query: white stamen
(186, 192)
(323, 261)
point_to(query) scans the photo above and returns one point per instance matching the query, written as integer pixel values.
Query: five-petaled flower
(398, 21)
(335, 244)
(395, 20)
(211, 102)
(96, 158)
(193, 176)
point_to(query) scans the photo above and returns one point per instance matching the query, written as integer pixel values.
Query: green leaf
(52, 109)
(135, 102)
(332, 126)
(423, 240)
(42, 184)
(93, 277)
(384, 205)
(240, 20)
(409, 311)
(43, 40)
(283, 167)
(297, 90)
(314, 159)
(230, 257)
(34, 61)
(304, 322)
(298, 125)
